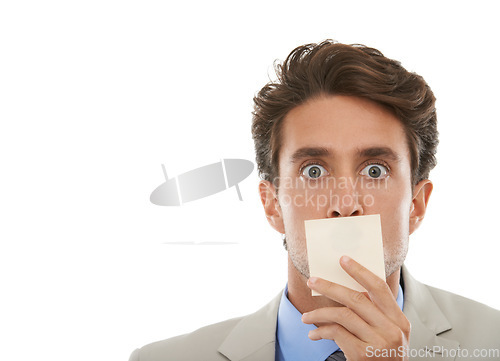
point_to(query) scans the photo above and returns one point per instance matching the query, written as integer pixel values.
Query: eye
(313, 171)
(375, 171)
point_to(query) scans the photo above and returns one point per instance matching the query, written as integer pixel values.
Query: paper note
(358, 237)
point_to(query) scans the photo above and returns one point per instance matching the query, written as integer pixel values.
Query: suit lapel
(254, 337)
(427, 321)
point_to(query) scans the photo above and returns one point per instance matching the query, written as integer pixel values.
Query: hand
(369, 326)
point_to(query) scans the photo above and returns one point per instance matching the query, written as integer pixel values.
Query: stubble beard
(298, 255)
(393, 258)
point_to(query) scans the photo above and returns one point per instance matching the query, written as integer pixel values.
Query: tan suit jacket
(440, 321)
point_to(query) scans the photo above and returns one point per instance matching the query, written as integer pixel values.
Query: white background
(96, 95)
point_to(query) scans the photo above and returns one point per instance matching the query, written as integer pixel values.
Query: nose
(345, 203)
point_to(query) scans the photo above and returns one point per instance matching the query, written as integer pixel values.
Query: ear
(421, 194)
(271, 205)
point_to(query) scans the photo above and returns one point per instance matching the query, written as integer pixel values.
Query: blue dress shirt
(292, 341)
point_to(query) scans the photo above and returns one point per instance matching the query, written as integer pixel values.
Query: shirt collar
(292, 338)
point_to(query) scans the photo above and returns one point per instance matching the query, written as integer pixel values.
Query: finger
(356, 301)
(343, 316)
(352, 347)
(378, 289)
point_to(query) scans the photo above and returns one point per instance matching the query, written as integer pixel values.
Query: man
(345, 132)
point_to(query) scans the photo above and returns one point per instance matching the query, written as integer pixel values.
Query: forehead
(344, 124)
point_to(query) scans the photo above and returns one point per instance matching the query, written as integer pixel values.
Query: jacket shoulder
(469, 319)
(201, 344)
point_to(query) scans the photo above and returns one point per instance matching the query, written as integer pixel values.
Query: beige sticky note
(358, 237)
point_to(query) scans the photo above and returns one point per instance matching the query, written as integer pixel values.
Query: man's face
(344, 156)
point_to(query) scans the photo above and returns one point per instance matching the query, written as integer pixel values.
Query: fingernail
(345, 259)
(312, 280)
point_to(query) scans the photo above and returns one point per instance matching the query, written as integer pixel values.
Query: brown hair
(338, 69)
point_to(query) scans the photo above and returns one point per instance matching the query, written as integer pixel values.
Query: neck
(300, 295)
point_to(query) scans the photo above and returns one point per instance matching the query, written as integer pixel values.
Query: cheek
(303, 199)
(395, 224)
(394, 212)
(298, 205)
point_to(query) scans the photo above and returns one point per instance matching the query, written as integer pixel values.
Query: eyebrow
(384, 152)
(308, 152)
